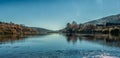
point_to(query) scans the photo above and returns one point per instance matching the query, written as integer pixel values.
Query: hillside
(18, 29)
(111, 19)
(41, 30)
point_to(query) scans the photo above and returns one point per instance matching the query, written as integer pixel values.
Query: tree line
(92, 28)
(11, 28)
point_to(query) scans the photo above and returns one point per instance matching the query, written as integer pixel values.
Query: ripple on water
(66, 54)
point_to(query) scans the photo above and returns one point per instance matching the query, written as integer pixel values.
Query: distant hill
(110, 19)
(42, 30)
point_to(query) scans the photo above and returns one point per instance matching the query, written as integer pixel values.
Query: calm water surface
(60, 46)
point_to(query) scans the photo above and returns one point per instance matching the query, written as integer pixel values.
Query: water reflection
(11, 38)
(72, 37)
(105, 39)
(47, 45)
(15, 38)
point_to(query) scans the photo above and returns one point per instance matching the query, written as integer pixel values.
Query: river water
(60, 46)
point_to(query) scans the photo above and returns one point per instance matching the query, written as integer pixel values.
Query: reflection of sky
(54, 14)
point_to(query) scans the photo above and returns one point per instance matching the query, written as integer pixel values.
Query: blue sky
(54, 14)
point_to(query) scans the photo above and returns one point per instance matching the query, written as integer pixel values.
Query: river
(60, 46)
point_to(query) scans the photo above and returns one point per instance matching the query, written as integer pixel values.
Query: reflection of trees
(106, 39)
(11, 38)
(72, 37)
(15, 38)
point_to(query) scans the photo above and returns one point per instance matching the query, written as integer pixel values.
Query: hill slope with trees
(18, 29)
(111, 19)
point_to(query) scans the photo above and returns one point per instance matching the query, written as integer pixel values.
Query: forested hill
(11, 28)
(108, 19)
